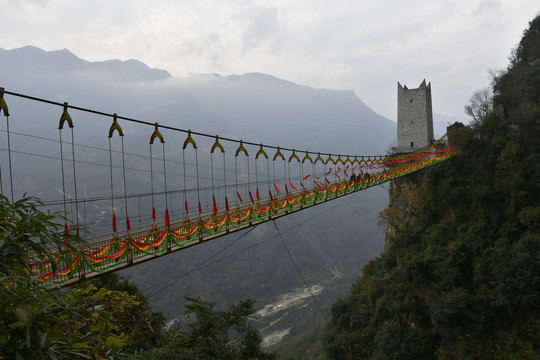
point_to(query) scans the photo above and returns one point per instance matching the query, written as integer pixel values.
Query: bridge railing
(218, 182)
(126, 248)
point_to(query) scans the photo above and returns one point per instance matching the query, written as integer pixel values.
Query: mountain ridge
(65, 60)
(237, 106)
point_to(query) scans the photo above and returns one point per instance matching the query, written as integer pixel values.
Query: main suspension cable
(149, 123)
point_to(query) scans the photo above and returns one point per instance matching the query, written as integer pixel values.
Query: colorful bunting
(99, 257)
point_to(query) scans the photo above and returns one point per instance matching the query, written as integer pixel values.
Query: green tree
(40, 322)
(214, 334)
(30, 236)
(142, 326)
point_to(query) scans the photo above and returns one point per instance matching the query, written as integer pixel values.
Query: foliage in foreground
(460, 278)
(38, 322)
(107, 318)
(213, 334)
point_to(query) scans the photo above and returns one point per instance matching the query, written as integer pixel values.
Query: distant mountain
(253, 107)
(30, 63)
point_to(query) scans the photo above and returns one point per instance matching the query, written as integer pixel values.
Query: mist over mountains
(253, 107)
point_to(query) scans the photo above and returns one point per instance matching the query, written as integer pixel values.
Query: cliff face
(403, 192)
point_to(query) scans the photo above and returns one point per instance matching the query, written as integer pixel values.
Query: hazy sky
(361, 45)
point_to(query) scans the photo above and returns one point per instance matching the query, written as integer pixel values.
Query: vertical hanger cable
(62, 173)
(112, 184)
(152, 185)
(75, 181)
(4, 107)
(185, 186)
(9, 158)
(125, 186)
(165, 176)
(225, 183)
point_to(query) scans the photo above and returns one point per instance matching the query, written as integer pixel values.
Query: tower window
(412, 143)
(410, 101)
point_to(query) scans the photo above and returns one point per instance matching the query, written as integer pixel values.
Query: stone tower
(415, 118)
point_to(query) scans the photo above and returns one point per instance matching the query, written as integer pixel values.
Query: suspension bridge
(158, 199)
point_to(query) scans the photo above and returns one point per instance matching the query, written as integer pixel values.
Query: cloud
(258, 27)
(487, 6)
(366, 45)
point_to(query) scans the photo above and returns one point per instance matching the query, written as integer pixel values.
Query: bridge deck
(120, 250)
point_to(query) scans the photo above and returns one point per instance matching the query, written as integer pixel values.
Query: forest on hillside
(460, 276)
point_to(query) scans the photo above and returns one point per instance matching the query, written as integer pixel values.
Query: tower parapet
(415, 118)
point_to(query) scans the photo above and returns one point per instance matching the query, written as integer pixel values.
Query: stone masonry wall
(415, 118)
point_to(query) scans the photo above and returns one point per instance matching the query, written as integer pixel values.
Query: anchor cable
(300, 273)
(174, 280)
